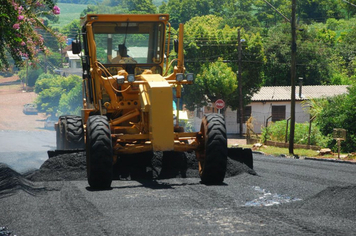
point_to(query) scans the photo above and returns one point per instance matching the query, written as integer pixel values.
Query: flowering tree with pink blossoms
(20, 21)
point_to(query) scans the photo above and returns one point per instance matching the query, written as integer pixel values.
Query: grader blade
(53, 153)
(243, 155)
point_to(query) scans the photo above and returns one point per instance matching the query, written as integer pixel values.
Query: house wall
(74, 63)
(260, 111)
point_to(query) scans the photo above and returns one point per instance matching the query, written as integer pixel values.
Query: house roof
(72, 56)
(283, 93)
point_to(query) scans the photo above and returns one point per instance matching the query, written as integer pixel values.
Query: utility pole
(293, 78)
(240, 82)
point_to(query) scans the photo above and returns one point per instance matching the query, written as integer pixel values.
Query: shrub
(277, 132)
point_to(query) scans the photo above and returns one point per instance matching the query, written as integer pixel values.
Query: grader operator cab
(128, 97)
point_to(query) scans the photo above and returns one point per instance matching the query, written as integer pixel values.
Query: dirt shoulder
(12, 99)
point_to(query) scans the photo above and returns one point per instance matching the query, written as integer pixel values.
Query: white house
(274, 104)
(74, 65)
(73, 60)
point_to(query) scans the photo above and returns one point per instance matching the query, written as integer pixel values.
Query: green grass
(277, 151)
(69, 12)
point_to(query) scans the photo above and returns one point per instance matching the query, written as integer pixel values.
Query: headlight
(120, 79)
(179, 77)
(131, 78)
(190, 77)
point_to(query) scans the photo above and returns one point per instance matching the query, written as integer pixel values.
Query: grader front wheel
(212, 155)
(99, 152)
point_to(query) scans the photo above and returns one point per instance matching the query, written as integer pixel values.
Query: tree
(181, 11)
(145, 6)
(19, 36)
(216, 81)
(313, 56)
(269, 17)
(319, 10)
(207, 40)
(240, 14)
(71, 102)
(51, 89)
(71, 30)
(338, 112)
(29, 75)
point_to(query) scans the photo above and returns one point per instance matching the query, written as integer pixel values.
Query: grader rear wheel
(99, 152)
(212, 154)
(70, 133)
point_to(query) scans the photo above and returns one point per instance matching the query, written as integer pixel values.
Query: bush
(338, 112)
(277, 132)
(29, 75)
(59, 95)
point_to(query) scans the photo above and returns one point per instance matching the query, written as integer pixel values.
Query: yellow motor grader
(128, 98)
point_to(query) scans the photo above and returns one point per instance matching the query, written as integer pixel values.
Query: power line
(349, 3)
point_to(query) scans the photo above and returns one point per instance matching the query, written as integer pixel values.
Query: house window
(247, 114)
(278, 113)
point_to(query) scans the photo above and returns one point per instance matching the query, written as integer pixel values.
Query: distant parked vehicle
(30, 109)
(49, 122)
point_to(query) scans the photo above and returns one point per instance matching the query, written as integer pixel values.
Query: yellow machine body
(128, 100)
(160, 110)
(136, 94)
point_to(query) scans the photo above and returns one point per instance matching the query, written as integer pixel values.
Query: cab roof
(90, 18)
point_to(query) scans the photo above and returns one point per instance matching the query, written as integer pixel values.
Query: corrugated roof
(283, 93)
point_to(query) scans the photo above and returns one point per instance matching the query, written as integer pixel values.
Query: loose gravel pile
(73, 167)
(11, 181)
(333, 201)
(62, 167)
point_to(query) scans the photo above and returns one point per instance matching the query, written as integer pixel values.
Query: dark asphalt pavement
(286, 197)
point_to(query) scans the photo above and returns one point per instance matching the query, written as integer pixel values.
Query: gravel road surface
(286, 197)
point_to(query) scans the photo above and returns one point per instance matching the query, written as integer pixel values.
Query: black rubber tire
(74, 132)
(212, 154)
(99, 153)
(70, 133)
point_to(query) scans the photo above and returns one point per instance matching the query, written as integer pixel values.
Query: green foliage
(29, 75)
(267, 16)
(79, 2)
(181, 11)
(216, 81)
(319, 10)
(145, 6)
(338, 112)
(276, 131)
(207, 40)
(20, 23)
(313, 55)
(71, 30)
(71, 102)
(58, 95)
